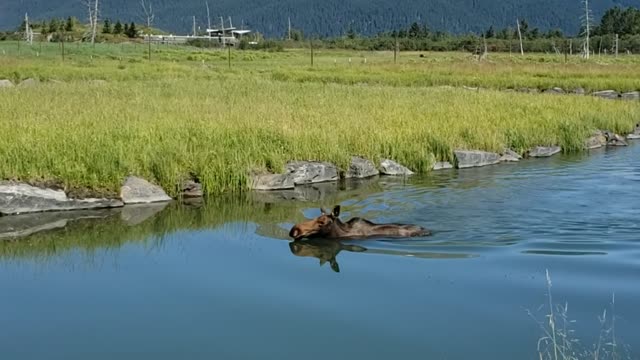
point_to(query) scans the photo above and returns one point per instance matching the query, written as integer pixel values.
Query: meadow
(191, 112)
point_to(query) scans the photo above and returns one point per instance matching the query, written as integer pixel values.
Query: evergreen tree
(351, 34)
(132, 32)
(425, 31)
(554, 33)
(44, 28)
(505, 34)
(490, 33)
(117, 28)
(54, 25)
(414, 30)
(71, 24)
(106, 29)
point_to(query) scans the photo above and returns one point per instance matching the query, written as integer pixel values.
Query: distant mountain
(326, 17)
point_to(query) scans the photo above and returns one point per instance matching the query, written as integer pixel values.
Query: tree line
(71, 28)
(623, 22)
(119, 29)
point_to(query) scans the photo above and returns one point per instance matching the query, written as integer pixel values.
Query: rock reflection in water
(271, 214)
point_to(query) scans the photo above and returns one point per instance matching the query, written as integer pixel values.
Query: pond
(220, 279)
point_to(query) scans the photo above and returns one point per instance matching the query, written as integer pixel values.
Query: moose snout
(295, 232)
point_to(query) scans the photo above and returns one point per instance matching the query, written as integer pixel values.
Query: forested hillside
(327, 17)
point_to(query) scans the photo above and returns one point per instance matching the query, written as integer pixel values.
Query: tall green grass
(91, 136)
(500, 71)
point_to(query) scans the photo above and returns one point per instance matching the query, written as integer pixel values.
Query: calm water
(219, 281)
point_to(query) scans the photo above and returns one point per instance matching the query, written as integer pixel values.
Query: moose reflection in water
(329, 226)
(323, 249)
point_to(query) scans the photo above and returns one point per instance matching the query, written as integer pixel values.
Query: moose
(329, 226)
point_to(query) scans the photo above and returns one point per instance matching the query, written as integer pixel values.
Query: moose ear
(336, 211)
(334, 265)
(322, 211)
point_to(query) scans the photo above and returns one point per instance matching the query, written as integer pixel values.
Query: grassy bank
(91, 135)
(186, 113)
(413, 69)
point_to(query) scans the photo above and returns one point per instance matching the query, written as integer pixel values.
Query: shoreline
(17, 198)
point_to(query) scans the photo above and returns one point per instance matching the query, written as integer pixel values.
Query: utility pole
(587, 23)
(150, 16)
(222, 31)
(208, 17)
(520, 36)
(194, 26)
(311, 45)
(289, 29)
(62, 48)
(395, 51)
(27, 30)
(94, 29)
(617, 44)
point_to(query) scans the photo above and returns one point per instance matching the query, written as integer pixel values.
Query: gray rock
(607, 94)
(635, 134)
(361, 168)
(18, 198)
(510, 156)
(390, 167)
(307, 172)
(6, 84)
(633, 95)
(139, 213)
(579, 91)
(597, 140)
(475, 158)
(544, 151)
(139, 191)
(554, 90)
(28, 83)
(191, 189)
(272, 182)
(614, 139)
(442, 165)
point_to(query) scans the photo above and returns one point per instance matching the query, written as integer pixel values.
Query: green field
(186, 113)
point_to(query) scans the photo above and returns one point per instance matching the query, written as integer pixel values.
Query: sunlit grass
(92, 136)
(186, 113)
(416, 69)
